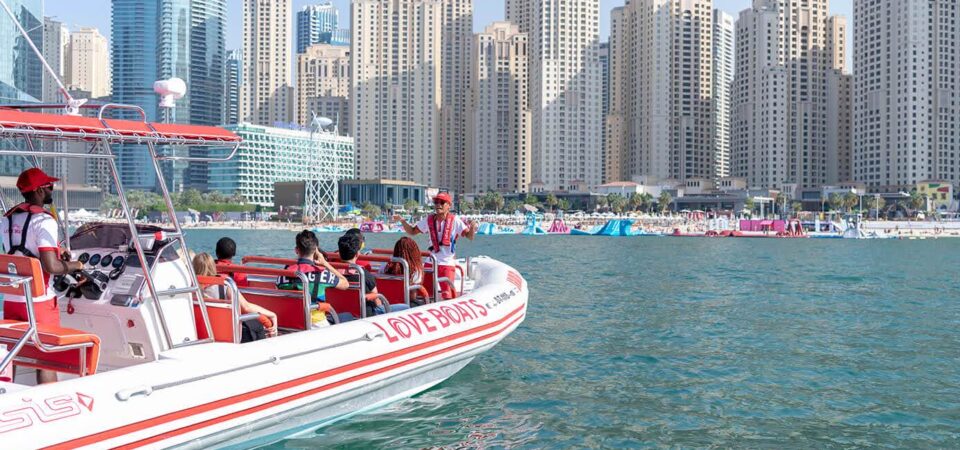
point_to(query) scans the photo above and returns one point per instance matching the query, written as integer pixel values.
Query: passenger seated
(320, 275)
(204, 266)
(349, 247)
(226, 251)
(363, 244)
(408, 249)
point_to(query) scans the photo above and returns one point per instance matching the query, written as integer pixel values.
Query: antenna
(170, 91)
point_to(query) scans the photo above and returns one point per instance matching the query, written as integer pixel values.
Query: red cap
(31, 180)
(444, 197)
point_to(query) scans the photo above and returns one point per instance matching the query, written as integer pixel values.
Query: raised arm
(407, 228)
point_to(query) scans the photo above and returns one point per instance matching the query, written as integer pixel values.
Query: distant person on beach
(204, 266)
(444, 228)
(226, 250)
(408, 249)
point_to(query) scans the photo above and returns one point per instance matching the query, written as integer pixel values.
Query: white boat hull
(220, 395)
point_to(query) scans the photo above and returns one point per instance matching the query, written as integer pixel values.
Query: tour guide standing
(30, 230)
(444, 229)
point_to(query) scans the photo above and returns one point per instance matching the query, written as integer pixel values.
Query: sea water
(679, 342)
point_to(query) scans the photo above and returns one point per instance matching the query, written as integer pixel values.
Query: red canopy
(118, 130)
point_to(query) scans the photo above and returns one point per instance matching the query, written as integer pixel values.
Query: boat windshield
(106, 235)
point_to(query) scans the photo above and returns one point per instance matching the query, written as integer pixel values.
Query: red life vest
(31, 210)
(436, 240)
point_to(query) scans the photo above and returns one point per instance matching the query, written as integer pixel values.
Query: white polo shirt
(447, 254)
(41, 237)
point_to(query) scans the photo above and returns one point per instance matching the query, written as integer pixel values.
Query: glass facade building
(318, 24)
(233, 79)
(160, 39)
(21, 73)
(269, 155)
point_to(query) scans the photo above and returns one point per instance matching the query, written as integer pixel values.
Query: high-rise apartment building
(564, 72)
(154, 40)
(780, 93)
(498, 156)
(266, 94)
(906, 93)
(88, 63)
(661, 121)
(233, 78)
(319, 24)
(54, 49)
(323, 85)
(604, 56)
(21, 73)
(723, 64)
(410, 64)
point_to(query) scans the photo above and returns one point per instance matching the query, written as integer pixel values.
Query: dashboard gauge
(84, 257)
(118, 262)
(107, 259)
(94, 260)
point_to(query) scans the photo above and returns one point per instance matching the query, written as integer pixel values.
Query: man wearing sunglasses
(444, 228)
(28, 229)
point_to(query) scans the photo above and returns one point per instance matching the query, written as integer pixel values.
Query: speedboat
(145, 359)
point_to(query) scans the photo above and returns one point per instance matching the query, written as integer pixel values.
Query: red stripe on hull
(200, 409)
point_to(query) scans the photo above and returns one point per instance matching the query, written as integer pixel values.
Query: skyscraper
(88, 63)
(410, 72)
(319, 24)
(723, 56)
(780, 94)
(498, 156)
(661, 121)
(564, 39)
(21, 74)
(604, 104)
(233, 78)
(266, 94)
(54, 48)
(323, 85)
(155, 40)
(906, 93)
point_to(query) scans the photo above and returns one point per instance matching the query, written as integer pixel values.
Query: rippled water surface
(693, 343)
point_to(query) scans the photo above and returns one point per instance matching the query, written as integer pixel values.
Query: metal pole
(139, 249)
(183, 242)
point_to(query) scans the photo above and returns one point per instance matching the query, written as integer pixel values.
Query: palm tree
(601, 202)
(412, 205)
(917, 201)
(664, 201)
(797, 207)
(551, 201)
(514, 205)
(532, 200)
(617, 203)
(465, 206)
(496, 202)
(563, 204)
(749, 204)
(850, 200)
(635, 201)
(836, 201)
(646, 201)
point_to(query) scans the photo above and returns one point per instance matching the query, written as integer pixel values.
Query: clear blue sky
(96, 13)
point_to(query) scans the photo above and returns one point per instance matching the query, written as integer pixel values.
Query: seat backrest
(347, 300)
(21, 266)
(392, 287)
(286, 304)
(222, 321)
(290, 306)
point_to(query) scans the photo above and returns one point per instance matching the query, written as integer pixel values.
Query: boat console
(108, 297)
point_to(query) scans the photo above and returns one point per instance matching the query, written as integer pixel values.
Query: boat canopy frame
(102, 134)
